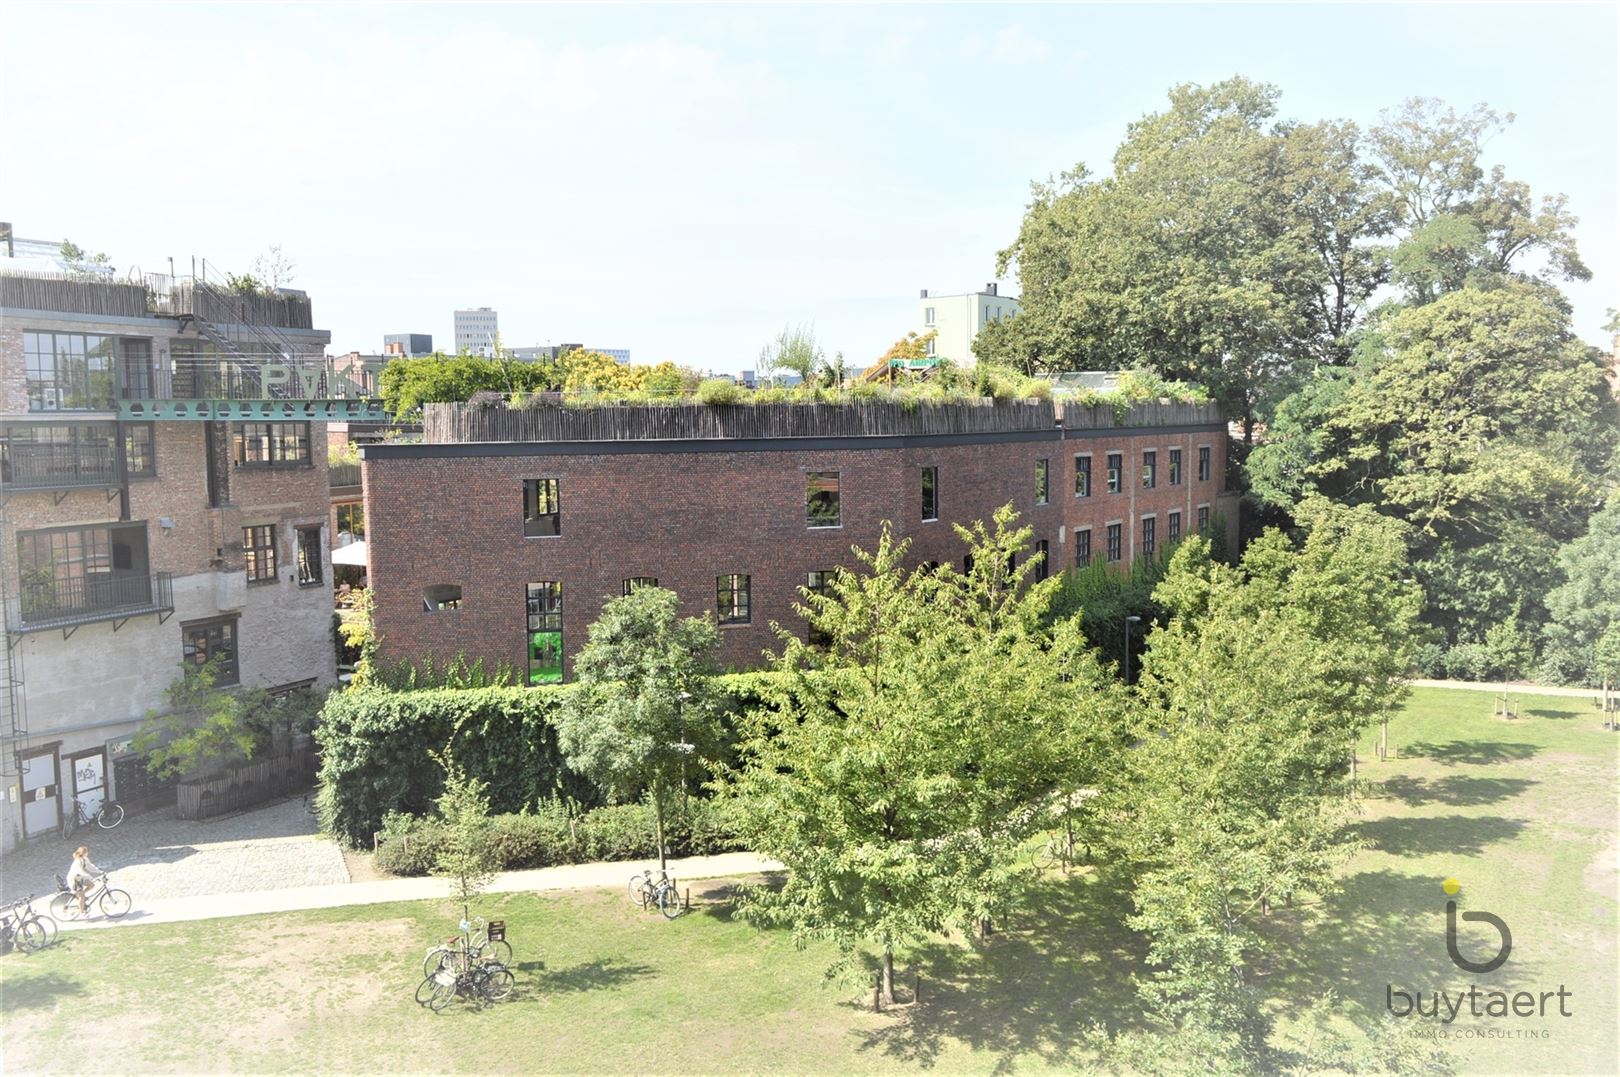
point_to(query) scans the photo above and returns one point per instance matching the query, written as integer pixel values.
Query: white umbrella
(352, 554)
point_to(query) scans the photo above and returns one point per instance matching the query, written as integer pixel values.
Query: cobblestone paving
(157, 855)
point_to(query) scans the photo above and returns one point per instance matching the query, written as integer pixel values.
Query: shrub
(719, 391)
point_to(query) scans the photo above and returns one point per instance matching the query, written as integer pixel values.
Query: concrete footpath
(562, 877)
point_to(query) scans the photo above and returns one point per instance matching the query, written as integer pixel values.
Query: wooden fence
(39, 291)
(244, 786)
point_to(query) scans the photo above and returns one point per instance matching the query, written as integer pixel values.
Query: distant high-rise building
(410, 344)
(475, 331)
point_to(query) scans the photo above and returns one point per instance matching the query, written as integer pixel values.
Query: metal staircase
(13, 722)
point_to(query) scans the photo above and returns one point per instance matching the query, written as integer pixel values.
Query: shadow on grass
(1457, 790)
(1473, 752)
(1545, 712)
(1066, 961)
(39, 992)
(1462, 835)
(588, 976)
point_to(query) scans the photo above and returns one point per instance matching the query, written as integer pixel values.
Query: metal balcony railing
(58, 467)
(107, 596)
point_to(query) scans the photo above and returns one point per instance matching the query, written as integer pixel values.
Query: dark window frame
(1150, 469)
(308, 555)
(1115, 548)
(542, 507)
(259, 557)
(1082, 547)
(1043, 566)
(269, 446)
(1116, 472)
(543, 638)
(930, 494)
(1203, 519)
(1172, 526)
(1043, 481)
(1175, 467)
(1203, 463)
(1082, 474)
(733, 599)
(823, 502)
(437, 597)
(634, 583)
(817, 582)
(1150, 535)
(229, 644)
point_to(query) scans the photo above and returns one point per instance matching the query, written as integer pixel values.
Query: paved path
(157, 855)
(1513, 689)
(563, 877)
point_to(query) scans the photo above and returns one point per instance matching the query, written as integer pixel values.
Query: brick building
(163, 496)
(502, 534)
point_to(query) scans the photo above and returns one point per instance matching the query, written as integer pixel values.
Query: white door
(39, 793)
(90, 781)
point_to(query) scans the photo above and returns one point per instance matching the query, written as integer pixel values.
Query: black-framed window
(732, 599)
(967, 564)
(818, 582)
(1043, 481)
(635, 583)
(1150, 527)
(203, 641)
(1116, 472)
(1175, 467)
(272, 445)
(1172, 527)
(351, 518)
(439, 597)
(542, 507)
(930, 493)
(1042, 556)
(545, 647)
(140, 450)
(82, 569)
(1203, 463)
(309, 555)
(1114, 531)
(1150, 469)
(259, 552)
(821, 507)
(45, 456)
(1203, 519)
(69, 371)
(1082, 475)
(1082, 547)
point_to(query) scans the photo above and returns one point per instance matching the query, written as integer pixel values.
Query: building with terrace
(503, 532)
(163, 502)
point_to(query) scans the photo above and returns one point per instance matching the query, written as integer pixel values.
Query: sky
(684, 181)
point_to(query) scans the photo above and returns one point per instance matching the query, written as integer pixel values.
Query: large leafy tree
(641, 718)
(1585, 605)
(407, 384)
(896, 770)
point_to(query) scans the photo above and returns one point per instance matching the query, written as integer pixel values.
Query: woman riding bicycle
(82, 876)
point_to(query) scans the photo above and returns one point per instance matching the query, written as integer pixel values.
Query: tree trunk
(658, 822)
(886, 984)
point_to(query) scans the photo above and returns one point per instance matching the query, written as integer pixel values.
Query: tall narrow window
(1203, 519)
(635, 583)
(1175, 467)
(1082, 475)
(1043, 488)
(821, 498)
(204, 641)
(1172, 530)
(1113, 541)
(1082, 547)
(817, 583)
(259, 549)
(930, 493)
(1116, 472)
(545, 601)
(351, 520)
(542, 507)
(140, 456)
(1042, 554)
(1149, 539)
(731, 600)
(1150, 469)
(1203, 463)
(309, 555)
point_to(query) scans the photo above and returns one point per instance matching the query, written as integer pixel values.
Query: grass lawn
(1523, 813)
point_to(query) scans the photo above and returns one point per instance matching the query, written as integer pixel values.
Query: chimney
(990, 288)
(923, 294)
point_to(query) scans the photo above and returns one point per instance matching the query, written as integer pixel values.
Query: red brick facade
(685, 513)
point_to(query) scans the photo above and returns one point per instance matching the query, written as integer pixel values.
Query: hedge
(375, 747)
(538, 840)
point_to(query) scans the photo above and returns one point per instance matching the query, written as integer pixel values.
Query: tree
(406, 384)
(274, 268)
(465, 857)
(912, 346)
(1584, 605)
(898, 767)
(641, 717)
(208, 727)
(81, 265)
(794, 350)
(584, 370)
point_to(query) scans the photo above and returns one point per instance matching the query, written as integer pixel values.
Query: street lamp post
(1128, 622)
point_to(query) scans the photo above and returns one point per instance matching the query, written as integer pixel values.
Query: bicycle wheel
(669, 902)
(444, 993)
(1046, 857)
(65, 906)
(638, 890)
(499, 984)
(115, 903)
(500, 950)
(110, 815)
(436, 959)
(31, 936)
(424, 990)
(47, 923)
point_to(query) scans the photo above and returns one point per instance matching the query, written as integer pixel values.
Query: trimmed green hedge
(619, 832)
(375, 747)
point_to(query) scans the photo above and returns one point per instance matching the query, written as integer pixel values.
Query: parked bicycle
(112, 902)
(476, 940)
(654, 888)
(22, 927)
(107, 816)
(466, 973)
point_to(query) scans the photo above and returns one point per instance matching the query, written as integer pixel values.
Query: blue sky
(685, 180)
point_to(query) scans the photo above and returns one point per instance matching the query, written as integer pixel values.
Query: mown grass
(1522, 813)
